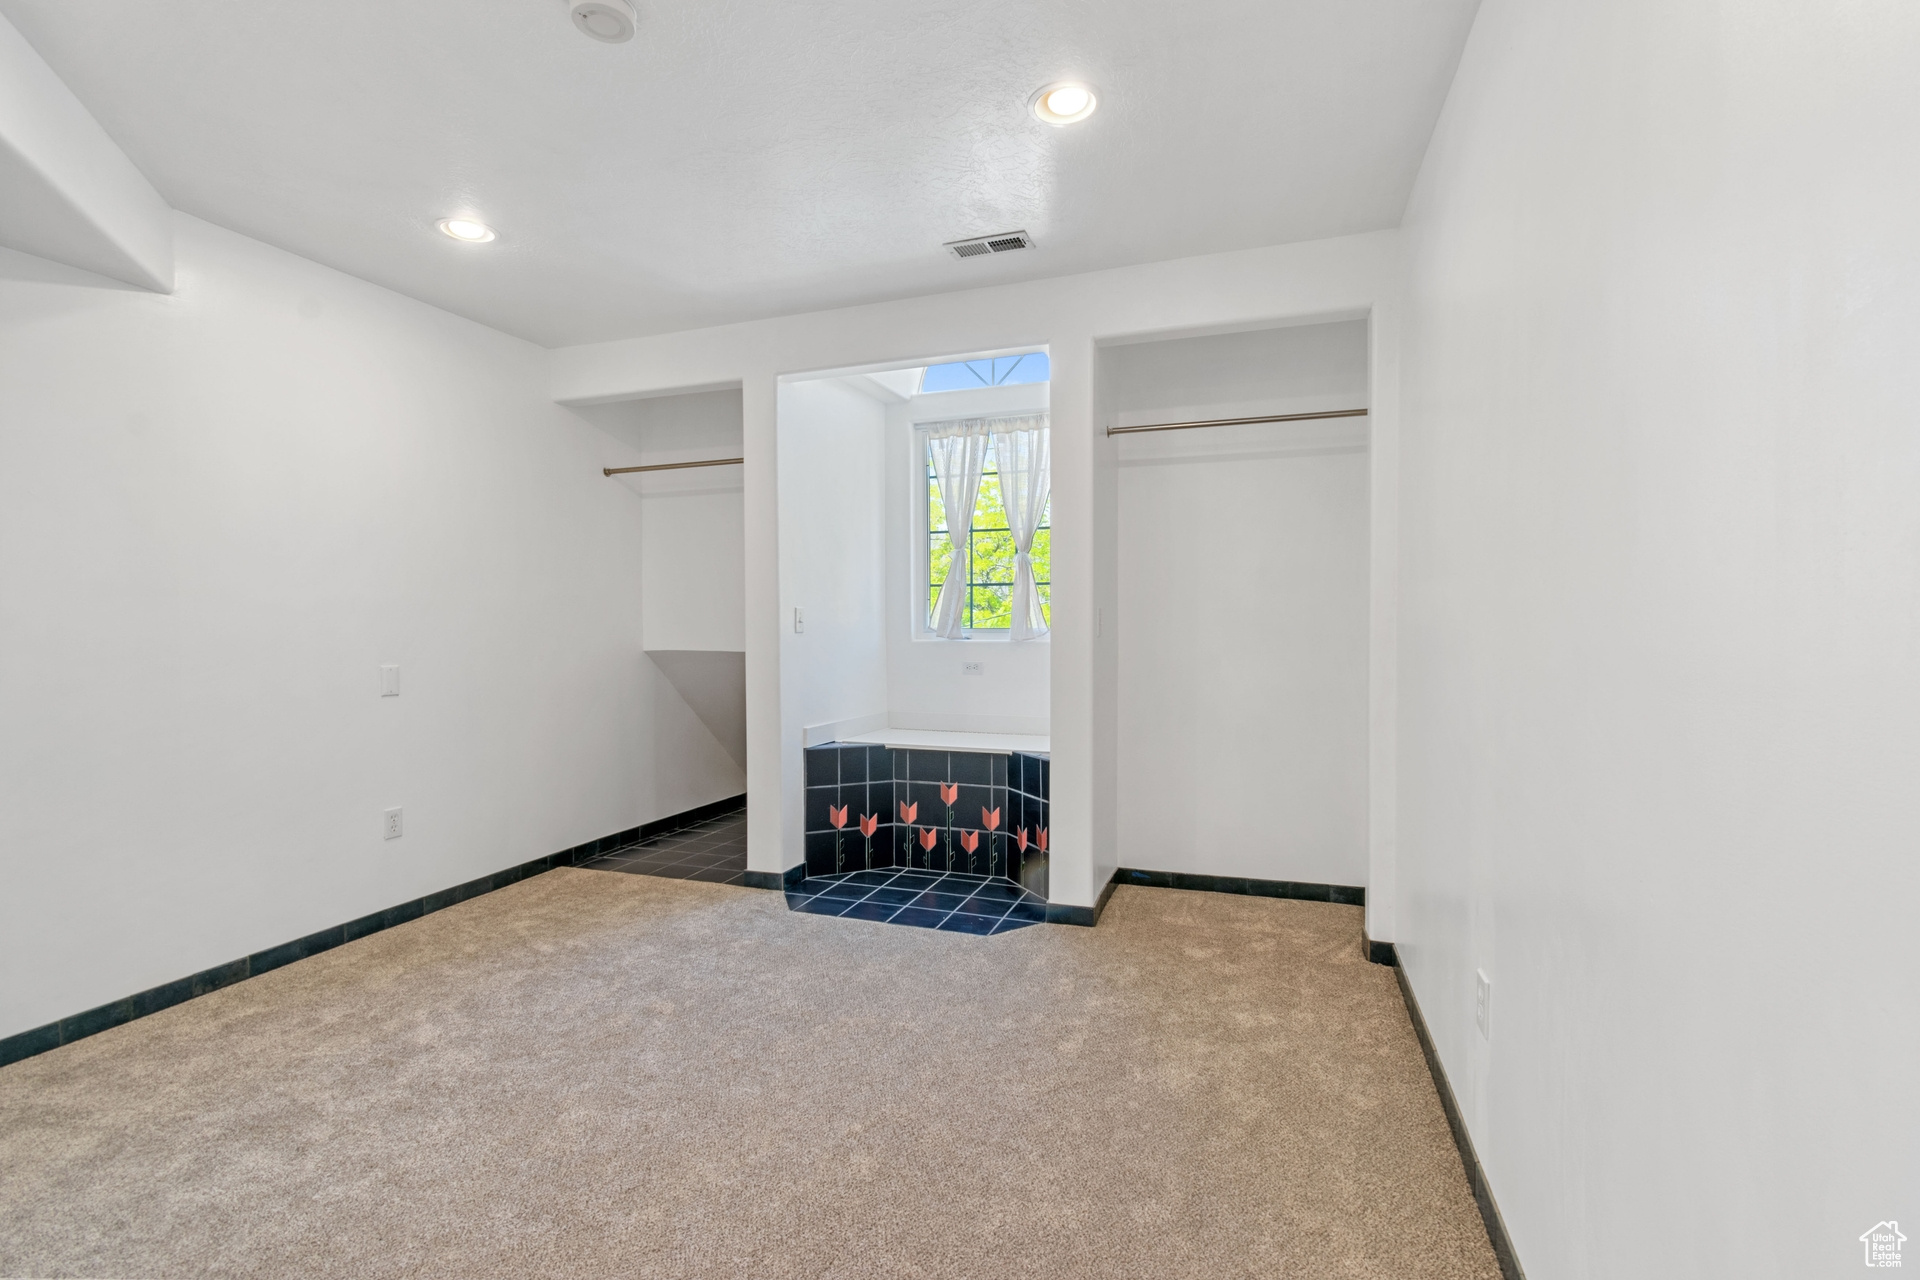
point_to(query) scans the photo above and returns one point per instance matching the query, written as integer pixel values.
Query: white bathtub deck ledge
(948, 740)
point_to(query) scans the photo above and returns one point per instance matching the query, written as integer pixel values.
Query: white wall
(220, 512)
(1085, 784)
(832, 477)
(69, 194)
(1243, 606)
(694, 725)
(1660, 623)
(926, 688)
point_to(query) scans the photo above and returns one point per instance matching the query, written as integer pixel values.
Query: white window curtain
(959, 454)
(958, 450)
(1020, 456)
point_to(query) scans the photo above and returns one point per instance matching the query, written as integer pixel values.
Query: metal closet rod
(1112, 431)
(671, 466)
(1235, 422)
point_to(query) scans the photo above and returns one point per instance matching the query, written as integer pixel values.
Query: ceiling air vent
(980, 245)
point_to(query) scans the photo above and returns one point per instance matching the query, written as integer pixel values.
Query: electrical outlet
(393, 824)
(973, 668)
(799, 623)
(390, 682)
(1483, 1003)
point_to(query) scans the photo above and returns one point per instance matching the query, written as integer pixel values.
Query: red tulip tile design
(970, 841)
(869, 823)
(838, 817)
(949, 795)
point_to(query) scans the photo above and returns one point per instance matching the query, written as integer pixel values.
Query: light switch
(390, 682)
(1483, 1003)
(799, 623)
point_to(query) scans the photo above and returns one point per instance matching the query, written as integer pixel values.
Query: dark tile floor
(924, 899)
(716, 850)
(713, 850)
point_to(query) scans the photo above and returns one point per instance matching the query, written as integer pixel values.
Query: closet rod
(1235, 422)
(671, 466)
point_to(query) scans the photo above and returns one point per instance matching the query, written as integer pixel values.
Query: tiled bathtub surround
(1028, 781)
(952, 903)
(908, 797)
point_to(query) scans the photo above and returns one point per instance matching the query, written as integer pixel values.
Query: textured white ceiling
(743, 158)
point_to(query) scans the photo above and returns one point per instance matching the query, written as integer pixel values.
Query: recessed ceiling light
(610, 20)
(466, 229)
(1064, 103)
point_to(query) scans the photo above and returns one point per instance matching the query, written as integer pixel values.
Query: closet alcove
(1243, 604)
(688, 588)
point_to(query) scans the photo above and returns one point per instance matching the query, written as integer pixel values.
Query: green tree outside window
(990, 591)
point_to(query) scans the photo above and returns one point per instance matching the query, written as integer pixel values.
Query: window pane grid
(989, 602)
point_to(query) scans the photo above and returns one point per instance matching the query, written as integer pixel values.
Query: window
(990, 588)
(1001, 371)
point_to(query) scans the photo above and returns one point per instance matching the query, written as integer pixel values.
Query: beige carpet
(593, 1074)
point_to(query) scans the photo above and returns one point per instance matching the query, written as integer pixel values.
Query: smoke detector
(980, 246)
(612, 21)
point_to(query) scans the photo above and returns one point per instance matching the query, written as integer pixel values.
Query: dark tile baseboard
(777, 880)
(1476, 1176)
(1355, 895)
(1061, 913)
(78, 1026)
(1379, 952)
